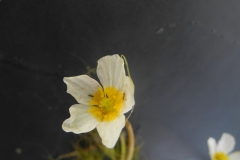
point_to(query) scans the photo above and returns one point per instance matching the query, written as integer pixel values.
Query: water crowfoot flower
(222, 149)
(101, 106)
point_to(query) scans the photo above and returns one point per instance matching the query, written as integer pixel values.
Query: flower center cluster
(106, 104)
(220, 156)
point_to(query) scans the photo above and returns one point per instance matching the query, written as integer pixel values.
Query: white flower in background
(222, 149)
(101, 106)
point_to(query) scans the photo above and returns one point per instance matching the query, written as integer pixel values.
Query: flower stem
(123, 146)
(131, 141)
(68, 155)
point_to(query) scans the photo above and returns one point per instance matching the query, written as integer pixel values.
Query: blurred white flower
(101, 106)
(222, 150)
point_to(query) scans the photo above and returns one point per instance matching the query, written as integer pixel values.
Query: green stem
(131, 141)
(68, 155)
(90, 70)
(123, 146)
(126, 63)
(128, 71)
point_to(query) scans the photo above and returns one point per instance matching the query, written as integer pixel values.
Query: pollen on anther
(107, 104)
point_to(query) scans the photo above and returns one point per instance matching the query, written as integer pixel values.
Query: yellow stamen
(220, 156)
(106, 104)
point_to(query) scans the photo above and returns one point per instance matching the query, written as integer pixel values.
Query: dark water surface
(183, 56)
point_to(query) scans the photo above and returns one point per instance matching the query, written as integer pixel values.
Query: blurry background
(183, 56)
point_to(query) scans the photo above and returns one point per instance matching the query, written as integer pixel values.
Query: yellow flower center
(106, 105)
(220, 156)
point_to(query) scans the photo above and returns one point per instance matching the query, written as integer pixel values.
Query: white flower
(221, 151)
(101, 106)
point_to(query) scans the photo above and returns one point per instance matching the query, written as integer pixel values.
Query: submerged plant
(88, 146)
(102, 106)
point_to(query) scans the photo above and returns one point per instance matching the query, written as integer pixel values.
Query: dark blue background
(183, 56)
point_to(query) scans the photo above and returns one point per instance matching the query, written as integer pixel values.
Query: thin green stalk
(123, 146)
(128, 71)
(131, 141)
(68, 155)
(126, 63)
(91, 71)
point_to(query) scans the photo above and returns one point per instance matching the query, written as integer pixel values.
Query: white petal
(234, 156)
(111, 72)
(226, 143)
(129, 95)
(80, 121)
(110, 131)
(212, 145)
(80, 87)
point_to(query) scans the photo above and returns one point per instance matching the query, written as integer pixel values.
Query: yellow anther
(220, 156)
(108, 107)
